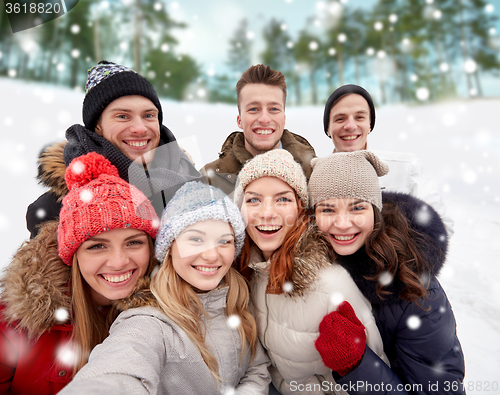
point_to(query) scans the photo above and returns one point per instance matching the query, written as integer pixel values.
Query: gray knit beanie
(192, 203)
(347, 175)
(277, 163)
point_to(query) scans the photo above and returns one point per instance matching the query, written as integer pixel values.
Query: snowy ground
(458, 143)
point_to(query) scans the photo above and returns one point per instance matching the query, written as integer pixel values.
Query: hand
(342, 339)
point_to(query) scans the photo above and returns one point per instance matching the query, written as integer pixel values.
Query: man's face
(262, 117)
(131, 124)
(350, 123)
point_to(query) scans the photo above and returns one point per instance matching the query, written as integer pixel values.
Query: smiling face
(112, 262)
(203, 253)
(131, 124)
(350, 123)
(270, 210)
(262, 117)
(346, 222)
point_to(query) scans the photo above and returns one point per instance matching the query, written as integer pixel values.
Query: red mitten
(342, 339)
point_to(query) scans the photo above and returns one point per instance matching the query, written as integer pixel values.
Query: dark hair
(393, 246)
(261, 74)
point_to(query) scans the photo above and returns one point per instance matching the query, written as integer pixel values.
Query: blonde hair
(90, 325)
(179, 301)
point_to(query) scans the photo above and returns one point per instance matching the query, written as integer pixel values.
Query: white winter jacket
(406, 176)
(288, 324)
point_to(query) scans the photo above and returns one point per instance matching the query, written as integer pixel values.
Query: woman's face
(270, 210)
(203, 253)
(346, 222)
(112, 262)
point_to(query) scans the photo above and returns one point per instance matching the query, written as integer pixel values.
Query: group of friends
(269, 270)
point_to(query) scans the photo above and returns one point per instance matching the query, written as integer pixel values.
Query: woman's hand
(342, 339)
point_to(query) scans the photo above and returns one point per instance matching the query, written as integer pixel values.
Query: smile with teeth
(207, 269)
(117, 279)
(268, 228)
(344, 238)
(353, 137)
(137, 143)
(264, 132)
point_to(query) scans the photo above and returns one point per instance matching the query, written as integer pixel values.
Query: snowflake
(233, 321)
(423, 216)
(75, 53)
(336, 298)
(413, 322)
(422, 94)
(78, 167)
(287, 287)
(41, 213)
(313, 46)
(86, 196)
(75, 29)
(61, 314)
(470, 66)
(385, 278)
(229, 391)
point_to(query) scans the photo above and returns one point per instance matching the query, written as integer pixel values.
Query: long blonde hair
(181, 304)
(90, 325)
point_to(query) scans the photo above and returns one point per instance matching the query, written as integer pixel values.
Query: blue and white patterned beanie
(192, 203)
(109, 81)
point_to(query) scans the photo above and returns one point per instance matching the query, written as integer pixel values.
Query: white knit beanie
(347, 175)
(192, 203)
(277, 163)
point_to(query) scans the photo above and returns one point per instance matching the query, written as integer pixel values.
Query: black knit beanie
(109, 81)
(342, 91)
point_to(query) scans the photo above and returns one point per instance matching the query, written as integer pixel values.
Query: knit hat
(192, 203)
(347, 175)
(99, 201)
(277, 163)
(109, 81)
(346, 90)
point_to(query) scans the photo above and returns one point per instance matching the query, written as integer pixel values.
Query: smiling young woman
(56, 303)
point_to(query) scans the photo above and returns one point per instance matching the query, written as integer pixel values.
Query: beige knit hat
(277, 163)
(347, 175)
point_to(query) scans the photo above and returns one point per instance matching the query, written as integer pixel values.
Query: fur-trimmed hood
(141, 296)
(51, 169)
(35, 285)
(312, 253)
(431, 240)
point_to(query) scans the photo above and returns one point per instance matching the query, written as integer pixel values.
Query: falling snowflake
(155, 223)
(393, 18)
(229, 391)
(75, 29)
(437, 14)
(413, 322)
(469, 177)
(78, 168)
(385, 278)
(75, 53)
(287, 287)
(165, 47)
(201, 93)
(336, 298)
(158, 7)
(12, 73)
(381, 54)
(442, 310)
(470, 66)
(61, 314)
(86, 196)
(444, 67)
(423, 215)
(313, 46)
(250, 35)
(370, 51)
(61, 67)
(67, 355)
(233, 321)
(342, 38)
(422, 94)
(378, 26)
(41, 213)
(332, 51)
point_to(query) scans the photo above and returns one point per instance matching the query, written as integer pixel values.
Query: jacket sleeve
(257, 378)
(428, 354)
(9, 344)
(127, 362)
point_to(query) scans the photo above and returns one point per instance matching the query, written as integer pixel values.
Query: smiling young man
(261, 94)
(349, 118)
(122, 118)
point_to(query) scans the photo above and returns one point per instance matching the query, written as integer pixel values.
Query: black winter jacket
(420, 341)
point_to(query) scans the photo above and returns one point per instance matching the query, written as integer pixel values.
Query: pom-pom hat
(192, 203)
(99, 201)
(277, 163)
(347, 175)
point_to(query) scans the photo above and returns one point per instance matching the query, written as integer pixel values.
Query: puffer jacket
(288, 324)
(35, 311)
(222, 172)
(420, 340)
(166, 361)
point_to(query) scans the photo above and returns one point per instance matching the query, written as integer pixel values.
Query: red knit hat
(98, 201)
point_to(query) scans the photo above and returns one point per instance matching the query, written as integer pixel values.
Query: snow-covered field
(457, 142)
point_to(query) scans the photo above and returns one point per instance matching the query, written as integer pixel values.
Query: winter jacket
(168, 171)
(420, 340)
(288, 324)
(35, 288)
(147, 353)
(406, 176)
(223, 171)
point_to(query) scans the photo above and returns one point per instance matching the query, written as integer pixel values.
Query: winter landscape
(457, 142)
